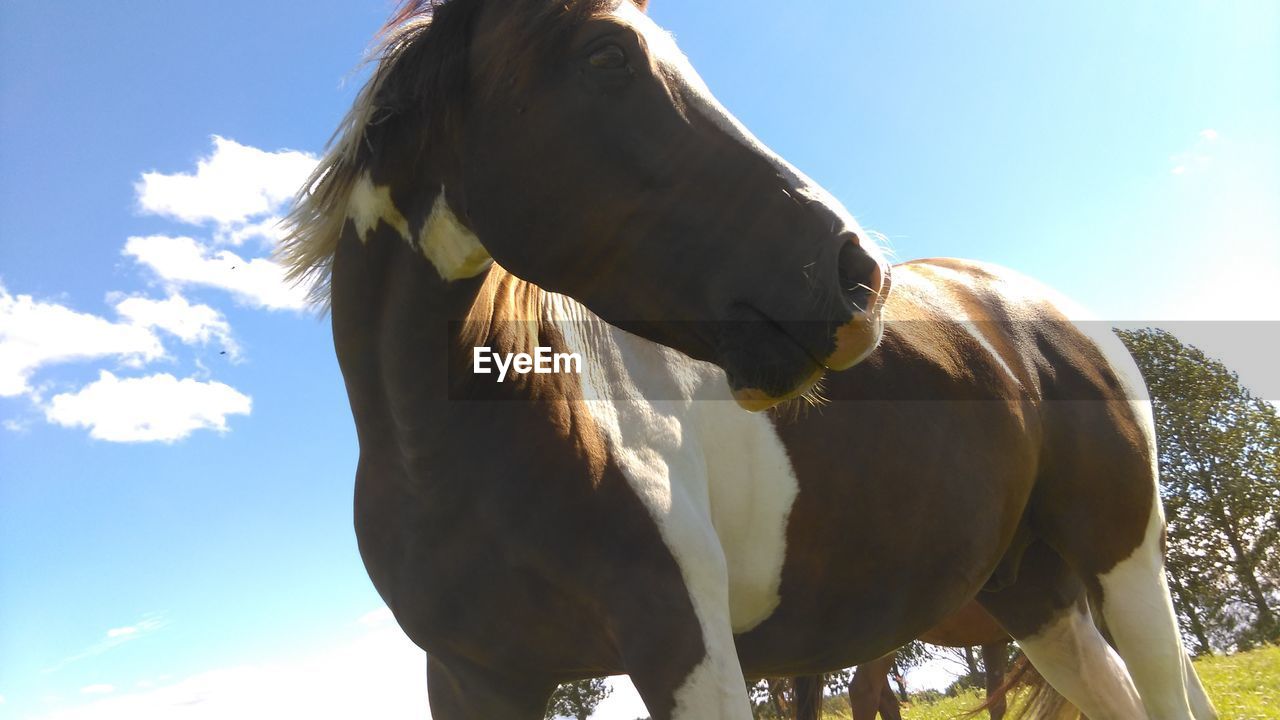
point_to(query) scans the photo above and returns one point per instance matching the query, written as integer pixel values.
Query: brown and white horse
(553, 173)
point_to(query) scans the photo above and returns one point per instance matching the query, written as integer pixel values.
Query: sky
(176, 451)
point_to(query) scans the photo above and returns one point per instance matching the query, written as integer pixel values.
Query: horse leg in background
(1046, 611)
(889, 708)
(463, 691)
(806, 696)
(869, 682)
(895, 672)
(995, 660)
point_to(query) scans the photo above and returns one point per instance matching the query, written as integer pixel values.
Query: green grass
(1245, 686)
(940, 710)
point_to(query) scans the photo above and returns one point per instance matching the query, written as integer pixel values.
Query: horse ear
(642, 4)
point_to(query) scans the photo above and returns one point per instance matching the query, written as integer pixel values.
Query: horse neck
(405, 325)
(396, 320)
(623, 369)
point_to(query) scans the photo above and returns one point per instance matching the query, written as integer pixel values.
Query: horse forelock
(421, 71)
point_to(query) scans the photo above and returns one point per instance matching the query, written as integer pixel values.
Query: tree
(1219, 453)
(771, 699)
(577, 699)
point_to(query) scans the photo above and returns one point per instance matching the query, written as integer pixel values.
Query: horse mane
(421, 72)
(314, 225)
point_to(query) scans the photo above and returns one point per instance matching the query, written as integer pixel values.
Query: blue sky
(176, 454)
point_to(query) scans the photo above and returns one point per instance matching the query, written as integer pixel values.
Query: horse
(869, 691)
(552, 176)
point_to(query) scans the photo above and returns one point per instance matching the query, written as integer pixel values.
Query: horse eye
(609, 57)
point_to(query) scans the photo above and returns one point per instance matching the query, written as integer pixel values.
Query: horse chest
(751, 489)
(715, 479)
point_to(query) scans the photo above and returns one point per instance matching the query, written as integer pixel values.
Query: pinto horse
(553, 174)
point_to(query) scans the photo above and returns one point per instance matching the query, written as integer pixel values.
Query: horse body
(635, 518)
(647, 473)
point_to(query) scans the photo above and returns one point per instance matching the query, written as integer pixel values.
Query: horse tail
(807, 691)
(1040, 702)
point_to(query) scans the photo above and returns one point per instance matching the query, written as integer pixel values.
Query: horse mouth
(767, 364)
(757, 400)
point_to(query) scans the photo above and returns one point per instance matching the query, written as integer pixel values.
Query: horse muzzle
(794, 367)
(859, 336)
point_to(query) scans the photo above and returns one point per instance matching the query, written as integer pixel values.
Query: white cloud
(269, 230)
(375, 618)
(229, 187)
(148, 409)
(113, 638)
(239, 193)
(1199, 157)
(34, 333)
(144, 625)
(183, 261)
(192, 324)
(379, 674)
(97, 689)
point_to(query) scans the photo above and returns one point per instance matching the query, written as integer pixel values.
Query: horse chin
(757, 400)
(855, 340)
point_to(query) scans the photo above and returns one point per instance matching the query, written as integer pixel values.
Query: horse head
(574, 144)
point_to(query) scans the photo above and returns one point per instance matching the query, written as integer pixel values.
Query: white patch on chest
(715, 479)
(454, 250)
(752, 487)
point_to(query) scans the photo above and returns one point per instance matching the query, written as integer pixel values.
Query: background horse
(554, 174)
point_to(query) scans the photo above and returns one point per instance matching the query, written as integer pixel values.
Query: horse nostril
(860, 277)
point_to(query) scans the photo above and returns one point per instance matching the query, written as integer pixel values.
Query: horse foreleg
(807, 691)
(460, 690)
(712, 689)
(675, 633)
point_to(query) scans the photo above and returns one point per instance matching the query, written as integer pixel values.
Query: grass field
(1245, 686)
